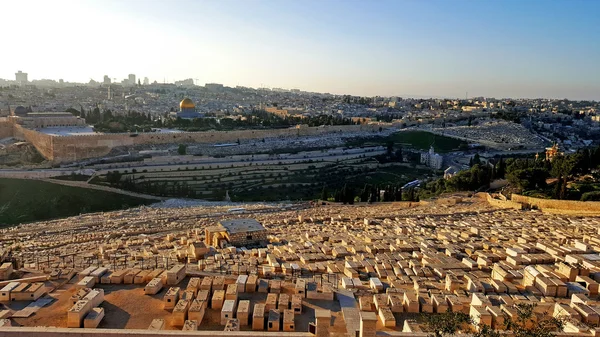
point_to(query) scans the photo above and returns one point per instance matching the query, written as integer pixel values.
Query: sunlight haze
(422, 48)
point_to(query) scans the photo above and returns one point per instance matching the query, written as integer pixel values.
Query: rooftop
(49, 113)
(241, 225)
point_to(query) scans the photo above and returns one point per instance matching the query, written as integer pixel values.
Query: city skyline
(435, 49)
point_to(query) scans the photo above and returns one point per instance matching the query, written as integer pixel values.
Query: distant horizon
(414, 96)
(436, 48)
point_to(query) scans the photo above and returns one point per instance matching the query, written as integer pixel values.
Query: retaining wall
(41, 141)
(6, 128)
(555, 206)
(502, 202)
(77, 147)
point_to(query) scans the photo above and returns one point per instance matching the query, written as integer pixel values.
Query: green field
(419, 140)
(24, 201)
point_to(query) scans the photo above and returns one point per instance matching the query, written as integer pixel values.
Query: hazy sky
(494, 48)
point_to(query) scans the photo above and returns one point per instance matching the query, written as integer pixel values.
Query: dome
(187, 104)
(20, 111)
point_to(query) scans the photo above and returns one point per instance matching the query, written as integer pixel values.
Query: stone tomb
(180, 312)
(273, 320)
(171, 297)
(93, 318)
(197, 310)
(153, 287)
(243, 312)
(227, 311)
(258, 317)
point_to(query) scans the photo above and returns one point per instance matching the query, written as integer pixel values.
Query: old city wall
(558, 206)
(6, 128)
(71, 148)
(41, 141)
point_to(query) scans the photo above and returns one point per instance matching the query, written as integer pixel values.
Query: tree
(113, 178)
(399, 156)
(476, 160)
(447, 323)
(528, 179)
(182, 149)
(389, 147)
(500, 168)
(526, 324)
(324, 194)
(486, 331)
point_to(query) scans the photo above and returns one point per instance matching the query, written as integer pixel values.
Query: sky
(445, 48)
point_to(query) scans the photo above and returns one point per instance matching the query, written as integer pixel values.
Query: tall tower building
(131, 79)
(146, 81)
(106, 80)
(21, 77)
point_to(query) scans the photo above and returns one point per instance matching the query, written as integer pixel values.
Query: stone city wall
(568, 206)
(42, 142)
(77, 147)
(6, 128)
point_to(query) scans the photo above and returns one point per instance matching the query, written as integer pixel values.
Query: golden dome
(187, 104)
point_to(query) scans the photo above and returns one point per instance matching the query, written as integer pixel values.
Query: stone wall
(501, 202)
(6, 128)
(241, 239)
(555, 206)
(42, 142)
(78, 147)
(71, 148)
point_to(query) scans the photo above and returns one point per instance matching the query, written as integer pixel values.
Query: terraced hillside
(264, 178)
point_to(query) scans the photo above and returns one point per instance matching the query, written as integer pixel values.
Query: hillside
(29, 200)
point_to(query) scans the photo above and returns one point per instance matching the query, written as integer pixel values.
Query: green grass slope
(29, 200)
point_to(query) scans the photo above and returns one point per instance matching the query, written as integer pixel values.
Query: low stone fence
(558, 206)
(500, 201)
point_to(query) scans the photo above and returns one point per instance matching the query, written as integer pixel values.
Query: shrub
(591, 196)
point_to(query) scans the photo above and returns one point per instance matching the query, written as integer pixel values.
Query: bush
(591, 196)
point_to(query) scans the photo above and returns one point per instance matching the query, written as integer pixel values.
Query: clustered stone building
(35, 120)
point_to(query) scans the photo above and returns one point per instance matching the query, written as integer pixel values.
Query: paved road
(83, 184)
